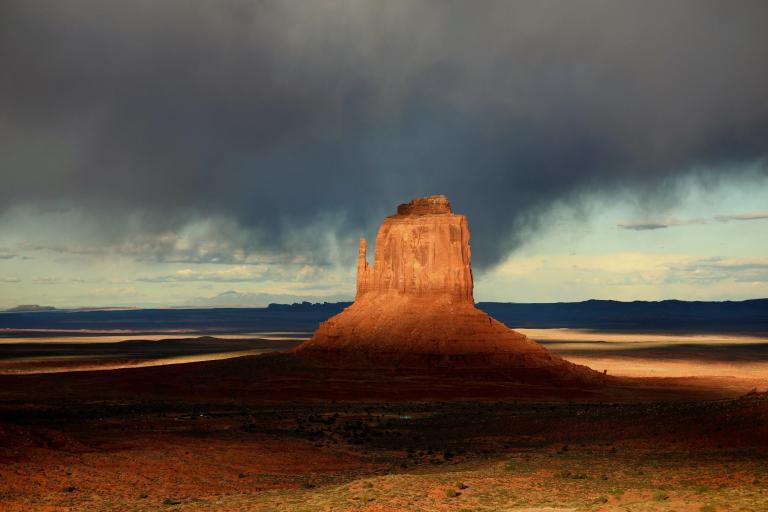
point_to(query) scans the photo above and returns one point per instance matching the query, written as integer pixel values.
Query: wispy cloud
(235, 298)
(115, 291)
(215, 240)
(8, 254)
(46, 280)
(742, 216)
(659, 224)
(644, 225)
(237, 274)
(709, 270)
(625, 276)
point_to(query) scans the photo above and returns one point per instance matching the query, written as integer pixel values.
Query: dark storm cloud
(645, 225)
(278, 114)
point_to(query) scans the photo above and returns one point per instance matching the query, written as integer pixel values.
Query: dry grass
(541, 480)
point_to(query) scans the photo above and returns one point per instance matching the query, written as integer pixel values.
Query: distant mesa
(415, 306)
(28, 308)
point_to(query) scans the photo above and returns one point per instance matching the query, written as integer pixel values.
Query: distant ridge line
(667, 315)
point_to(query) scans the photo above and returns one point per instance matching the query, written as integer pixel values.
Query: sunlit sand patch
(591, 336)
(619, 353)
(576, 340)
(658, 367)
(624, 354)
(26, 366)
(66, 352)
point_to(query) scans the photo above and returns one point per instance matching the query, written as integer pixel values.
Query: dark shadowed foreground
(274, 433)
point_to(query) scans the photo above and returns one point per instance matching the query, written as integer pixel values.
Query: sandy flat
(733, 356)
(620, 339)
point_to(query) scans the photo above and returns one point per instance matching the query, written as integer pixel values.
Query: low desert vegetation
(366, 458)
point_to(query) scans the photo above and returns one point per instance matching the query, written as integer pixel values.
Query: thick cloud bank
(277, 116)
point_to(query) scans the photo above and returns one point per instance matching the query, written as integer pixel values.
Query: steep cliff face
(414, 306)
(423, 251)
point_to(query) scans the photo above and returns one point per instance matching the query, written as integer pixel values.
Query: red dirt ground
(239, 434)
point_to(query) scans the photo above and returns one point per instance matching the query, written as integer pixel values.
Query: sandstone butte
(415, 307)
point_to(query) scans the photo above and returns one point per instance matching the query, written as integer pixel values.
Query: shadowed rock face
(415, 307)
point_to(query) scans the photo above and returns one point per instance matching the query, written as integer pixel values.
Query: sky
(184, 153)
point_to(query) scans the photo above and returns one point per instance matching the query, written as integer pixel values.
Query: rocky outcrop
(415, 307)
(423, 251)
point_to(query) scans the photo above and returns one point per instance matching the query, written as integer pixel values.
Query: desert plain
(681, 423)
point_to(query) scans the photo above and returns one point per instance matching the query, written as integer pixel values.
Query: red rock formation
(423, 251)
(414, 306)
